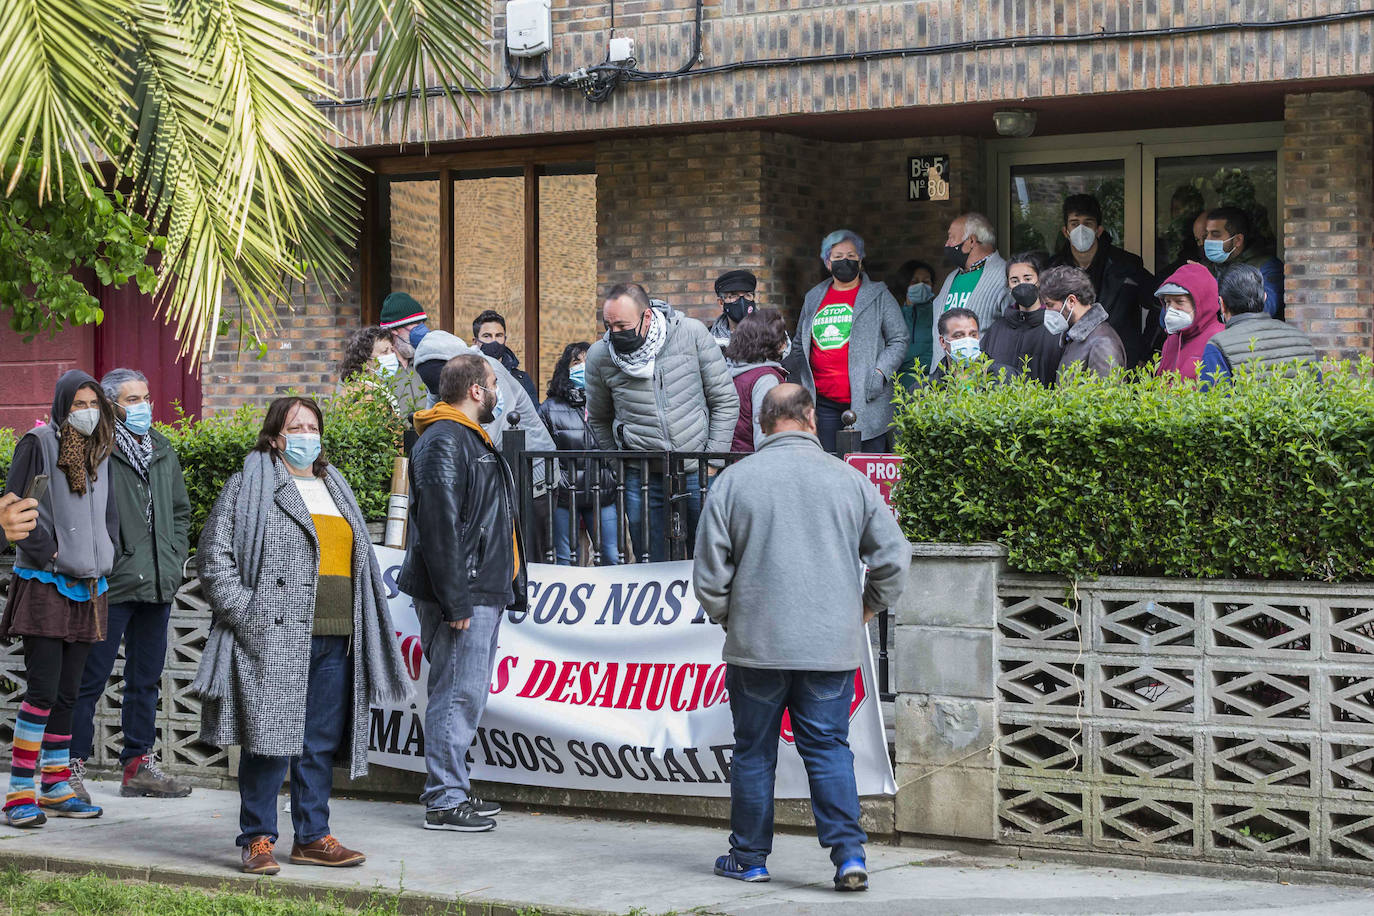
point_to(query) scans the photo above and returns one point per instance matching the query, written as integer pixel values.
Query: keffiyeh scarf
(640, 363)
(139, 453)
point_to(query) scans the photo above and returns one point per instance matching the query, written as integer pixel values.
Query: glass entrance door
(1151, 185)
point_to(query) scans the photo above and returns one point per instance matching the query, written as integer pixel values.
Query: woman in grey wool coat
(300, 614)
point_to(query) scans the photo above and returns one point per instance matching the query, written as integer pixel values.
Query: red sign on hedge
(883, 470)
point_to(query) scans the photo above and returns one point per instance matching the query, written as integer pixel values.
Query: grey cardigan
(689, 405)
(877, 340)
(781, 548)
(990, 299)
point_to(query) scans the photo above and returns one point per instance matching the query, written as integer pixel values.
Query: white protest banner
(612, 680)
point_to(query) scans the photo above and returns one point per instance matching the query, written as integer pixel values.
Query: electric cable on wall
(599, 81)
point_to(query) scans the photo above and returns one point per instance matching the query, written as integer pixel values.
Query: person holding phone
(18, 516)
(57, 599)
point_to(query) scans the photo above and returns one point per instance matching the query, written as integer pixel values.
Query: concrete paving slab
(557, 863)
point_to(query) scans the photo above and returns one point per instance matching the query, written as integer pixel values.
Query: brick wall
(675, 213)
(1328, 219)
(741, 30)
(303, 355)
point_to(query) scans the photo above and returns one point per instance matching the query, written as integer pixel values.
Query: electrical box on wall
(529, 28)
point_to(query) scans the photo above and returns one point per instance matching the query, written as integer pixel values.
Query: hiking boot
(26, 815)
(325, 851)
(463, 818)
(145, 778)
(484, 807)
(258, 858)
(77, 780)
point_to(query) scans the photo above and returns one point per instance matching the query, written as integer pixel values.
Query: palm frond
(412, 41)
(63, 87)
(231, 153)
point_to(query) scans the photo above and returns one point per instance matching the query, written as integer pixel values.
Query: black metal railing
(651, 499)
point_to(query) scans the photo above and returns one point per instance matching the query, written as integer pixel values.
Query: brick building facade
(748, 160)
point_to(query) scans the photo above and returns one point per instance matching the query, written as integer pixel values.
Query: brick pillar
(1328, 219)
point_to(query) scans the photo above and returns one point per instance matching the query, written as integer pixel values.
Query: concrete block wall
(1188, 721)
(946, 695)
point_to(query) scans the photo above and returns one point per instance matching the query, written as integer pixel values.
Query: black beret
(736, 281)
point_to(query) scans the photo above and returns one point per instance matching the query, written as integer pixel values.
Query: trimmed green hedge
(361, 437)
(1267, 477)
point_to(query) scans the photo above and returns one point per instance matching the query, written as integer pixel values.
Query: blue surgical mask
(919, 293)
(138, 418)
(578, 375)
(301, 449)
(1215, 249)
(965, 349)
(418, 333)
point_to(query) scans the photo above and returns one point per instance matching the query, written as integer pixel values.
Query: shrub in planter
(361, 437)
(1265, 477)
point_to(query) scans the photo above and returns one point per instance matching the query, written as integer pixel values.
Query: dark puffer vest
(1253, 338)
(743, 440)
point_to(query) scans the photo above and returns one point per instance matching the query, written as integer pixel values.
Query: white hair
(980, 227)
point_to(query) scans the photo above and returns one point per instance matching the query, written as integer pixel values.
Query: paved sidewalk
(558, 864)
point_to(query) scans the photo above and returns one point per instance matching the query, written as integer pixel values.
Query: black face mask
(737, 310)
(844, 271)
(628, 340)
(956, 256)
(1025, 294)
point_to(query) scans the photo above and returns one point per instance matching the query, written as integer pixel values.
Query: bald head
(788, 408)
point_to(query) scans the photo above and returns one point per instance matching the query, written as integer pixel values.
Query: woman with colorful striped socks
(57, 593)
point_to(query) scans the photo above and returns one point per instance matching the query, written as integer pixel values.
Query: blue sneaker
(852, 876)
(25, 816)
(72, 807)
(727, 867)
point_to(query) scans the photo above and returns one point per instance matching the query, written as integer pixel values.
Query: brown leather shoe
(325, 851)
(258, 858)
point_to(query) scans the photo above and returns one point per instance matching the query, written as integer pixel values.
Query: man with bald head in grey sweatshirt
(781, 550)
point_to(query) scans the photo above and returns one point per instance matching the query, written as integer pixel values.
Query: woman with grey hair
(850, 342)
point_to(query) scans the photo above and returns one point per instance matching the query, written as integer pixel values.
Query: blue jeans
(819, 703)
(460, 663)
(565, 540)
(328, 705)
(143, 629)
(657, 545)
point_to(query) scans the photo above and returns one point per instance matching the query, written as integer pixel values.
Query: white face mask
(1055, 322)
(1176, 320)
(388, 364)
(1082, 238)
(965, 349)
(85, 420)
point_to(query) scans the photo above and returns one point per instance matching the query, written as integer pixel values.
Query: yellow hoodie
(446, 411)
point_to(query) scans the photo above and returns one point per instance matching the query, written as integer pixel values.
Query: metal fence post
(848, 441)
(513, 451)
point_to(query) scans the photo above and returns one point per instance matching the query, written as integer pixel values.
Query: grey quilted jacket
(689, 405)
(877, 340)
(264, 710)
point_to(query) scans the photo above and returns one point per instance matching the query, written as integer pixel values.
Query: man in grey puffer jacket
(780, 558)
(658, 382)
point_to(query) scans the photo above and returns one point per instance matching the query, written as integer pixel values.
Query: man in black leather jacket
(464, 566)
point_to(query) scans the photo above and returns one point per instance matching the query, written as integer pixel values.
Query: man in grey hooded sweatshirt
(794, 632)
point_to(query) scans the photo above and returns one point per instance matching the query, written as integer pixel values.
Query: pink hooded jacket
(1183, 351)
